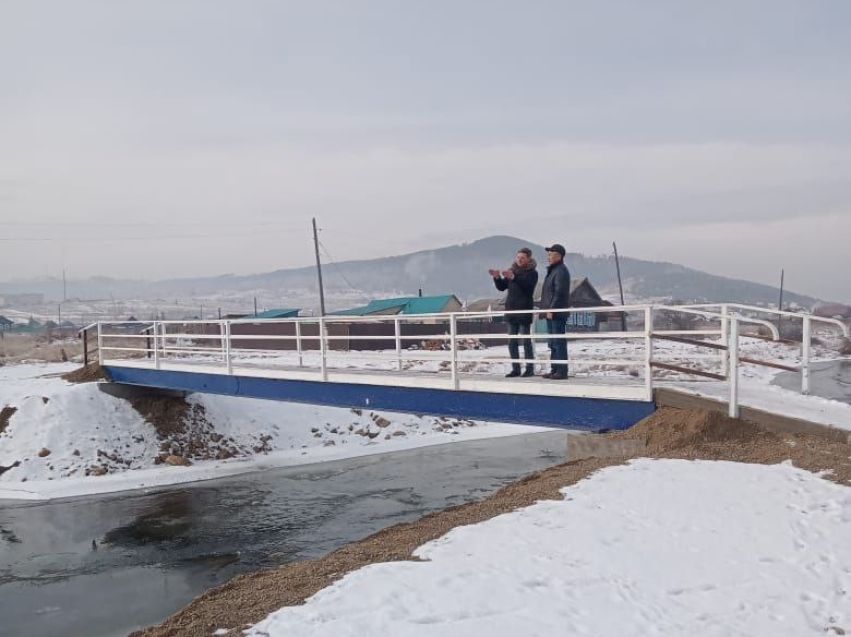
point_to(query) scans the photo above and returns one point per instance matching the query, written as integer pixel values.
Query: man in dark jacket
(520, 281)
(555, 294)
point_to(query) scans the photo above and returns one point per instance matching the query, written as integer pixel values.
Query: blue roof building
(405, 305)
(275, 314)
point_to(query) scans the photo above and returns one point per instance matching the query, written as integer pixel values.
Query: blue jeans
(514, 344)
(558, 346)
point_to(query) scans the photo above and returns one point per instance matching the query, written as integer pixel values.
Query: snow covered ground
(656, 547)
(61, 431)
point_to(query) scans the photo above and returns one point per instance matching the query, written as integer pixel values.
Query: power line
(146, 238)
(137, 224)
(337, 267)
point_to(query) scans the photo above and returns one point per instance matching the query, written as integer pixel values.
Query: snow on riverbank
(670, 547)
(61, 439)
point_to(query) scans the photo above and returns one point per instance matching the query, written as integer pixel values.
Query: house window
(582, 319)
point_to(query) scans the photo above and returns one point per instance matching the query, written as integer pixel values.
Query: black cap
(556, 247)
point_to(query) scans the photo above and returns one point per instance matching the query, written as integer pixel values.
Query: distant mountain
(459, 269)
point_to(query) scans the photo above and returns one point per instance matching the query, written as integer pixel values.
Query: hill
(460, 269)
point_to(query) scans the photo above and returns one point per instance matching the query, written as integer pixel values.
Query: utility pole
(780, 302)
(319, 270)
(620, 284)
(64, 287)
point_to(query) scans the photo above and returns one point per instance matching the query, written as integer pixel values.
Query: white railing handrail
(767, 310)
(775, 333)
(697, 309)
(219, 343)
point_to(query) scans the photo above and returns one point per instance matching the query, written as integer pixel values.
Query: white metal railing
(739, 309)
(230, 342)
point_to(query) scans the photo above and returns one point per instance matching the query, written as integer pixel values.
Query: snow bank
(66, 439)
(669, 547)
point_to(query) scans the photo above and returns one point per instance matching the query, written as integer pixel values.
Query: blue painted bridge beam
(588, 414)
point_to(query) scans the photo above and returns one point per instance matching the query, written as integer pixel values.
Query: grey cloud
(400, 123)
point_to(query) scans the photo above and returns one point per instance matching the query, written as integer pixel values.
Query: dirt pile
(679, 430)
(185, 433)
(669, 433)
(700, 435)
(90, 373)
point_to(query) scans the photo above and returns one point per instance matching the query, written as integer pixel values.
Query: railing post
(805, 355)
(725, 329)
(453, 341)
(85, 346)
(648, 352)
(398, 332)
(222, 345)
(156, 346)
(298, 343)
(100, 343)
(533, 332)
(323, 347)
(734, 368)
(228, 357)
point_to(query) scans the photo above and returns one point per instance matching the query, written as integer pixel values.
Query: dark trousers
(514, 344)
(558, 346)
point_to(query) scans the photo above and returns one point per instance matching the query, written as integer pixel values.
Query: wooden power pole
(319, 270)
(620, 284)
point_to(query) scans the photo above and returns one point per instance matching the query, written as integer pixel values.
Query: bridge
(453, 364)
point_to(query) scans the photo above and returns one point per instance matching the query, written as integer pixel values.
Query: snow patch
(670, 547)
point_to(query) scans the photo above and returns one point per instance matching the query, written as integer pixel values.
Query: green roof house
(405, 305)
(275, 314)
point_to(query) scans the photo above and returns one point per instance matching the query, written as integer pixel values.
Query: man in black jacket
(520, 281)
(555, 294)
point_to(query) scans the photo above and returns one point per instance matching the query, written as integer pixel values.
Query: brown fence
(309, 333)
(348, 336)
(422, 332)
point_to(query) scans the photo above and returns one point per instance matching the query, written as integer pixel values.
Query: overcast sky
(166, 138)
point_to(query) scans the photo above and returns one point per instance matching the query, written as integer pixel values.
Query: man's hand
(494, 273)
(508, 274)
(549, 316)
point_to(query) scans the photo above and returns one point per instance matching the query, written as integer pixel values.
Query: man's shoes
(547, 375)
(514, 373)
(529, 371)
(557, 376)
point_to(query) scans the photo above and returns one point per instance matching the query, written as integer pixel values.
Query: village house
(281, 313)
(405, 305)
(582, 294)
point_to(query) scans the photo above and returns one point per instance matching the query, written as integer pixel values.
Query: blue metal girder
(590, 414)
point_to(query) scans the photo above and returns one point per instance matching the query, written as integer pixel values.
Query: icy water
(105, 566)
(828, 380)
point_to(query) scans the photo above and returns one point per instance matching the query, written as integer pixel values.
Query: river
(105, 566)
